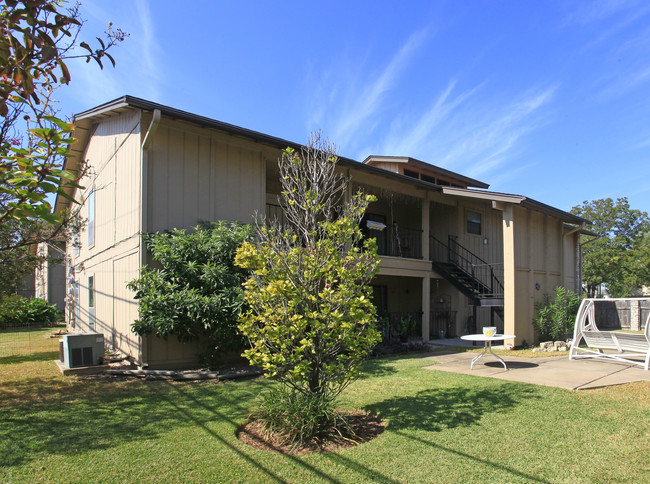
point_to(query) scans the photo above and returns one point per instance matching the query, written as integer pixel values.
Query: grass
(27, 341)
(442, 427)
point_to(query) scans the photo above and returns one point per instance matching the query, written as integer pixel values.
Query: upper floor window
(411, 173)
(473, 222)
(91, 217)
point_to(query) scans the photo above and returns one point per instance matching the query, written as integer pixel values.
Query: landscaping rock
(545, 345)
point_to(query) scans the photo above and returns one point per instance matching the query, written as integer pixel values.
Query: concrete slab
(556, 371)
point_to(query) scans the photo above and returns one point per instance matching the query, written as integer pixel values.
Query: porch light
(372, 225)
(485, 241)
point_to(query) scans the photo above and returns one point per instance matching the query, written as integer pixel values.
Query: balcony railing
(396, 241)
(480, 277)
(400, 326)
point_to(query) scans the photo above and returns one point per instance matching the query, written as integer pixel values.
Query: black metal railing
(400, 326)
(479, 276)
(442, 324)
(274, 213)
(403, 242)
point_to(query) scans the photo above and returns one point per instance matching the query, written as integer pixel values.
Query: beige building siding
(491, 232)
(125, 307)
(170, 353)
(196, 170)
(195, 175)
(539, 261)
(114, 154)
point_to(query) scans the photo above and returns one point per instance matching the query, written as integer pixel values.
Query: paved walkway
(555, 371)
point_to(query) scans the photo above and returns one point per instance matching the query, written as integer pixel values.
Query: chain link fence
(30, 338)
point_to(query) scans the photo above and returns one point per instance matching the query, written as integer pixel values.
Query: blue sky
(544, 99)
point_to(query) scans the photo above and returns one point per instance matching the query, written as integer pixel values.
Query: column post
(426, 307)
(425, 227)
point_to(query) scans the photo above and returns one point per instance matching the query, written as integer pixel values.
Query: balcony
(395, 241)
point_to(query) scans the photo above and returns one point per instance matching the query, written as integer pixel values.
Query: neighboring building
(455, 256)
(48, 281)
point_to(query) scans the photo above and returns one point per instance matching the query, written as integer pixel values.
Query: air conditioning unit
(83, 349)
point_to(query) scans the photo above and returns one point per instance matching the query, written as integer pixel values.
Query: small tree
(556, 317)
(311, 320)
(196, 292)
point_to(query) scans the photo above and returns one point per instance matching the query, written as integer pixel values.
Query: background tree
(311, 321)
(195, 292)
(620, 257)
(37, 37)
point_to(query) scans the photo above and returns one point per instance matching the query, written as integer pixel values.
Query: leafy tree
(195, 292)
(311, 320)
(620, 257)
(19, 261)
(556, 317)
(38, 36)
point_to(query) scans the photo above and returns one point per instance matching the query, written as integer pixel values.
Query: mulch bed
(365, 427)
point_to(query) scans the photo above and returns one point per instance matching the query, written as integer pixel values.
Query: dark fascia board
(406, 159)
(138, 103)
(517, 200)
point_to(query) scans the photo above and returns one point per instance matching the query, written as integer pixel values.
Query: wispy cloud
(369, 99)
(469, 133)
(348, 106)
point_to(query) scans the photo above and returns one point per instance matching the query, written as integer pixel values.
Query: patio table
(488, 345)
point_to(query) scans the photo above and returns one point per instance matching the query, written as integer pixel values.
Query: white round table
(488, 345)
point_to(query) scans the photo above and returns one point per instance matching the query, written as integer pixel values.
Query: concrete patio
(555, 371)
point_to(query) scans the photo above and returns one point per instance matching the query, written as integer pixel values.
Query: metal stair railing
(480, 275)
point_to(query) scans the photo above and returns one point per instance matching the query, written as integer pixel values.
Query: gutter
(142, 251)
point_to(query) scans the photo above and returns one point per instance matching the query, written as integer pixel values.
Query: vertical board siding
(194, 178)
(103, 274)
(113, 152)
(125, 307)
(158, 166)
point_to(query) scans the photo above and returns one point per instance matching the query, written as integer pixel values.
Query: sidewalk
(555, 371)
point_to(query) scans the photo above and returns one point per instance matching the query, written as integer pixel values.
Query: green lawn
(442, 427)
(28, 342)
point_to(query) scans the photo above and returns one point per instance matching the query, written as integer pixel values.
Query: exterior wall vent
(86, 349)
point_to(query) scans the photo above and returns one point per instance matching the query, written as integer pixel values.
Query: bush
(300, 418)
(195, 292)
(557, 317)
(16, 310)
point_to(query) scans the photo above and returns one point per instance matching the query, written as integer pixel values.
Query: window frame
(91, 200)
(473, 222)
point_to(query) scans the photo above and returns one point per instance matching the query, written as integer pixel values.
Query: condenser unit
(83, 349)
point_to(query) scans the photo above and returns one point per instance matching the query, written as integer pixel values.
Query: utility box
(83, 349)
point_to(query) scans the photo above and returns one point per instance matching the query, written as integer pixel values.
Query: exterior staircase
(467, 272)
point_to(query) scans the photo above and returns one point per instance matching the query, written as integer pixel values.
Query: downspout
(578, 264)
(580, 246)
(142, 251)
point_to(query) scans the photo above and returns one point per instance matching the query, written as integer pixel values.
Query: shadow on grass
(66, 416)
(378, 367)
(29, 357)
(444, 408)
(194, 420)
(477, 460)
